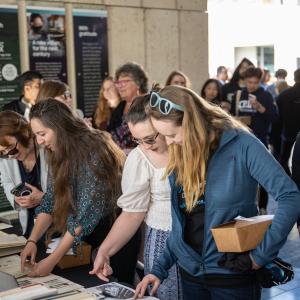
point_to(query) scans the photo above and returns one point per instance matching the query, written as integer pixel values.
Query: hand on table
(142, 286)
(101, 266)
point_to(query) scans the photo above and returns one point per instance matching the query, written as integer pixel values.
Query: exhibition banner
(47, 42)
(9, 55)
(90, 38)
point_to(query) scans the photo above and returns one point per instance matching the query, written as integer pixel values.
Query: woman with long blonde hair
(215, 165)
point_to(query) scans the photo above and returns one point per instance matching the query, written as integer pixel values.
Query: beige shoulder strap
(237, 101)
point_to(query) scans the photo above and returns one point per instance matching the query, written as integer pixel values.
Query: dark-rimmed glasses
(7, 153)
(147, 140)
(123, 82)
(164, 105)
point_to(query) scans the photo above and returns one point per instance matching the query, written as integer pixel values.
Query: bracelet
(32, 241)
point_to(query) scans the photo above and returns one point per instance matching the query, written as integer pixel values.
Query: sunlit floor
(290, 253)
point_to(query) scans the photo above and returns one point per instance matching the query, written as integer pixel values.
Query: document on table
(4, 226)
(52, 281)
(54, 244)
(12, 265)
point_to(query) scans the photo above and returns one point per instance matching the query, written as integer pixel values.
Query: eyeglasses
(120, 83)
(147, 140)
(7, 153)
(164, 105)
(67, 95)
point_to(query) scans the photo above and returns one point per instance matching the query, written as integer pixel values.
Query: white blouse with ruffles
(145, 191)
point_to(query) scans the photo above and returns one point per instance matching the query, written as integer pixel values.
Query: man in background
(222, 74)
(30, 82)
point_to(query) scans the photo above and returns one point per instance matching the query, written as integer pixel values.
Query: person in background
(265, 79)
(60, 91)
(30, 82)
(237, 80)
(178, 78)
(289, 111)
(84, 182)
(131, 81)
(255, 106)
(109, 99)
(21, 161)
(280, 75)
(36, 31)
(215, 165)
(212, 92)
(222, 75)
(146, 197)
(275, 133)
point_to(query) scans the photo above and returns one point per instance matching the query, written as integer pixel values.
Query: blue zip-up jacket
(234, 170)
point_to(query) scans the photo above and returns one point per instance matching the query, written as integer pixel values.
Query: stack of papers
(4, 226)
(11, 244)
(65, 289)
(28, 293)
(54, 244)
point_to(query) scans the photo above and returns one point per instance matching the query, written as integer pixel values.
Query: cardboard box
(83, 257)
(241, 235)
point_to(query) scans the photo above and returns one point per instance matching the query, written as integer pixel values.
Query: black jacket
(260, 121)
(15, 105)
(289, 112)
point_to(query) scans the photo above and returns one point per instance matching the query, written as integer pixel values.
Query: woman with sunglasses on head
(215, 165)
(21, 161)
(85, 168)
(146, 197)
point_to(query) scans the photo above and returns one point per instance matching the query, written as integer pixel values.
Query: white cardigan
(11, 176)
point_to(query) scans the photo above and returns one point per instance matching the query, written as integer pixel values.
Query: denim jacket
(240, 162)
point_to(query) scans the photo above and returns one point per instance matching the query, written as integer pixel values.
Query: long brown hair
(51, 89)
(78, 145)
(179, 73)
(14, 124)
(203, 125)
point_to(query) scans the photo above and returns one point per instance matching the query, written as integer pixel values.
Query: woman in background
(109, 99)
(60, 91)
(131, 81)
(178, 78)
(212, 92)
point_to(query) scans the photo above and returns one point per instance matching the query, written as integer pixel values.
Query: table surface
(78, 274)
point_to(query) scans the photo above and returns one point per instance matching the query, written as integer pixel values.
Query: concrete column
(69, 29)
(23, 36)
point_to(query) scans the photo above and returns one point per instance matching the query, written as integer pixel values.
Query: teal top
(90, 199)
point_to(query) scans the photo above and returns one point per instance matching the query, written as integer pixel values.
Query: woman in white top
(146, 197)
